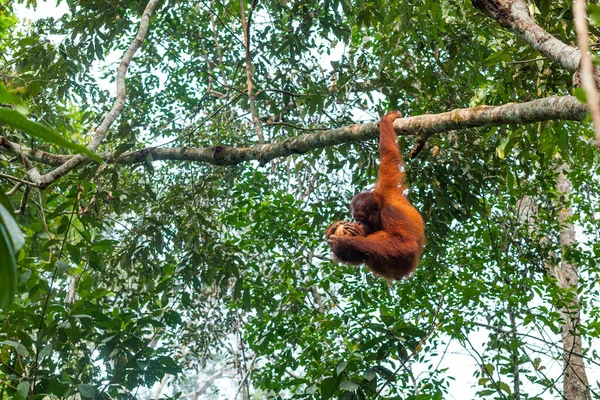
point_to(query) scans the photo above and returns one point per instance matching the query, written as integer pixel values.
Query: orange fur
(395, 232)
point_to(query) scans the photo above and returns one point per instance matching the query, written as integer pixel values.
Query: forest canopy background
(192, 261)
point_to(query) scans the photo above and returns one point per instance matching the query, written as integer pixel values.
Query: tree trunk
(575, 383)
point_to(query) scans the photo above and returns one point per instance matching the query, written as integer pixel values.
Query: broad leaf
(17, 120)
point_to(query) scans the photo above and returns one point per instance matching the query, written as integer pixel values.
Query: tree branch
(13, 148)
(587, 70)
(549, 108)
(514, 14)
(36, 155)
(118, 104)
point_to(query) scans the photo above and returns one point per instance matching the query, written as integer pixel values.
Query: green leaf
(17, 120)
(411, 331)
(328, 387)
(544, 7)
(349, 396)
(6, 203)
(510, 180)
(8, 270)
(349, 386)
(62, 266)
(579, 93)
(369, 374)
(12, 229)
(384, 372)
(341, 367)
(402, 352)
(500, 150)
(87, 391)
(46, 351)
(504, 386)
(22, 390)
(489, 368)
(19, 348)
(594, 14)
(7, 96)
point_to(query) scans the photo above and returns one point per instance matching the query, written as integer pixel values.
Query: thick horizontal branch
(550, 108)
(514, 14)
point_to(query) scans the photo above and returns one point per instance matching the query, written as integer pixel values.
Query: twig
(195, 127)
(23, 204)
(484, 369)
(14, 371)
(14, 189)
(245, 377)
(585, 65)
(18, 180)
(249, 76)
(299, 128)
(205, 385)
(281, 91)
(223, 24)
(213, 28)
(228, 12)
(527, 61)
(317, 297)
(209, 64)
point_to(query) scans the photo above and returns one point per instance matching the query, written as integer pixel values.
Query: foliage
(133, 273)
(16, 119)
(11, 241)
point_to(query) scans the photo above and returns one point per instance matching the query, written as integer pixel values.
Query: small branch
(318, 300)
(282, 91)
(213, 28)
(249, 74)
(13, 178)
(14, 189)
(24, 199)
(587, 70)
(515, 354)
(205, 385)
(223, 24)
(527, 61)
(245, 377)
(11, 369)
(418, 145)
(208, 62)
(119, 103)
(481, 363)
